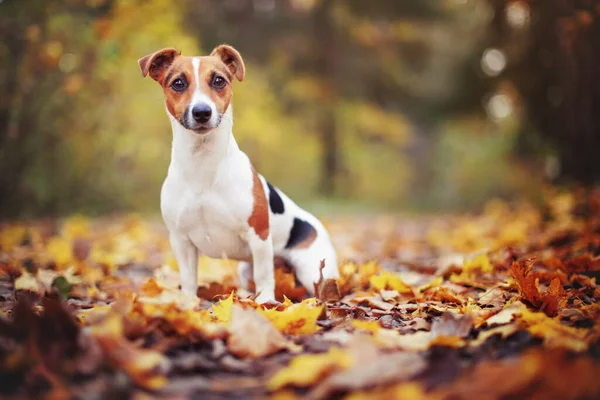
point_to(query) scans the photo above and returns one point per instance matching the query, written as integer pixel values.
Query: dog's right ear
(157, 63)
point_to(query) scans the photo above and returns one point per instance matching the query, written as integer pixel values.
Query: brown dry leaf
(371, 367)
(145, 367)
(550, 301)
(251, 335)
(506, 315)
(494, 298)
(503, 331)
(210, 290)
(374, 301)
(285, 286)
(538, 374)
(452, 325)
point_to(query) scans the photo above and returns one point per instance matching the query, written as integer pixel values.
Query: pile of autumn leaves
(106, 295)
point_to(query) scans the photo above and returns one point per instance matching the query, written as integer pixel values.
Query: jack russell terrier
(213, 201)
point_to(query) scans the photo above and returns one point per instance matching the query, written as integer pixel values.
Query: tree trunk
(325, 43)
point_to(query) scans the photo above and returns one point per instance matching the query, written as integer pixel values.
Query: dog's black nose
(201, 113)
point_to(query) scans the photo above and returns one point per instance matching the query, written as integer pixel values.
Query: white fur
(206, 201)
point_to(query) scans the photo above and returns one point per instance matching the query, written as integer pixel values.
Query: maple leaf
(550, 301)
(389, 281)
(297, 319)
(222, 310)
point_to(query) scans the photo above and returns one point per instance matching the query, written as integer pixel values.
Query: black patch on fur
(275, 201)
(300, 231)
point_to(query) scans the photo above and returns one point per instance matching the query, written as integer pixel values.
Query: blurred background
(408, 106)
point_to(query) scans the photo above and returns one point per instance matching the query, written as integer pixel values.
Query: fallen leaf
(371, 367)
(507, 314)
(251, 335)
(550, 301)
(223, 309)
(452, 325)
(28, 282)
(304, 370)
(297, 319)
(388, 281)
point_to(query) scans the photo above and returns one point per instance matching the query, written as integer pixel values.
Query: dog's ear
(232, 60)
(157, 63)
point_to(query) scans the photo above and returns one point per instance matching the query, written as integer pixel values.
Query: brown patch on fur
(232, 60)
(209, 66)
(178, 102)
(259, 219)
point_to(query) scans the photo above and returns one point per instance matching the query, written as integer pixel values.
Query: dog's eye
(219, 82)
(178, 85)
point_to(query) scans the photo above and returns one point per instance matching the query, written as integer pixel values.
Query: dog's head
(197, 89)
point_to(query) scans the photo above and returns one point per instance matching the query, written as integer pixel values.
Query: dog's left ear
(157, 63)
(232, 60)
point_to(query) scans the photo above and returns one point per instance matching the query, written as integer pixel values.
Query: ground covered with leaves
(500, 304)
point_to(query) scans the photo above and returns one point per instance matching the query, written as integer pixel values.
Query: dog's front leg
(186, 254)
(264, 276)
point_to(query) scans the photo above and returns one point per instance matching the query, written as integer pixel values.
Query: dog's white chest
(214, 220)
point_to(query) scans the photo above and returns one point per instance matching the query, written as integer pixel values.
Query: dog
(213, 201)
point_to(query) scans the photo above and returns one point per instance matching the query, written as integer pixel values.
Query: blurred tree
(75, 134)
(353, 64)
(556, 76)
(36, 95)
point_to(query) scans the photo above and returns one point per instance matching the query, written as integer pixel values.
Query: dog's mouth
(200, 129)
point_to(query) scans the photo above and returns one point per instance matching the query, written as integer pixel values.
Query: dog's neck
(196, 157)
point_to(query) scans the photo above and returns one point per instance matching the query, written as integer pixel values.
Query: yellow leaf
(480, 263)
(27, 282)
(297, 319)
(435, 283)
(447, 341)
(388, 281)
(368, 270)
(286, 302)
(151, 288)
(370, 326)
(60, 250)
(306, 369)
(77, 226)
(222, 311)
(553, 332)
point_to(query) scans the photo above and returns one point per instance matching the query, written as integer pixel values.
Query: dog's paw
(266, 298)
